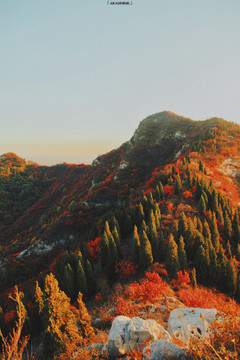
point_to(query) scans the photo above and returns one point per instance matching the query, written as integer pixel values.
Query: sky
(77, 76)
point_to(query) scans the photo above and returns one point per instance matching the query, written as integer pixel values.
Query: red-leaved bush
(125, 268)
(150, 289)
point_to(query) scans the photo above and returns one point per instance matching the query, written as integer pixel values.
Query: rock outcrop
(187, 322)
(128, 335)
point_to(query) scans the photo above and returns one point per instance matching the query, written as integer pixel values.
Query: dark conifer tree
(182, 226)
(178, 184)
(182, 256)
(104, 245)
(227, 227)
(201, 265)
(91, 282)
(215, 233)
(80, 281)
(172, 261)
(136, 246)
(202, 204)
(193, 278)
(146, 258)
(112, 259)
(232, 276)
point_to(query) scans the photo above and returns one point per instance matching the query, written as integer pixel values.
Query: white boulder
(127, 335)
(163, 350)
(187, 322)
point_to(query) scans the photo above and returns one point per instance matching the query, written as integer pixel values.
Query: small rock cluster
(156, 343)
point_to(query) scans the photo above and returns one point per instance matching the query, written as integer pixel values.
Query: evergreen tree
(104, 245)
(90, 278)
(146, 258)
(161, 191)
(193, 278)
(182, 226)
(228, 250)
(227, 227)
(178, 184)
(112, 259)
(201, 264)
(214, 272)
(172, 261)
(232, 276)
(202, 204)
(215, 233)
(139, 214)
(157, 214)
(136, 246)
(117, 240)
(153, 235)
(80, 281)
(68, 281)
(182, 256)
(61, 333)
(84, 319)
(214, 201)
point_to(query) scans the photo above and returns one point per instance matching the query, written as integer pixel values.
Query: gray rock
(128, 335)
(187, 322)
(163, 350)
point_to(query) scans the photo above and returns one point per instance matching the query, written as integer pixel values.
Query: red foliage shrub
(150, 289)
(206, 298)
(188, 194)
(183, 277)
(125, 268)
(168, 190)
(94, 248)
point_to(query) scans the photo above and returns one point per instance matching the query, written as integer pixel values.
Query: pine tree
(232, 276)
(193, 278)
(111, 259)
(202, 204)
(153, 235)
(139, 214)
(84, 319)
(117, 240)
(146, 258)
(201, 264)
(214, 272)
(172, 261)
(227, 227)
(68, 281)
(214, 201)
(61, 333)
(157, 214)
(178, 184)
(215, 233)
(182, 226)
(90, 278)
(104, 245)
(136, 246)
(182, 256)
(161, 191)
(80, 281)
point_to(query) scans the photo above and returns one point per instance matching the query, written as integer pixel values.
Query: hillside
(169, 195)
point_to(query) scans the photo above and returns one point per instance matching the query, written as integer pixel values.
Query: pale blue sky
(78, 76)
